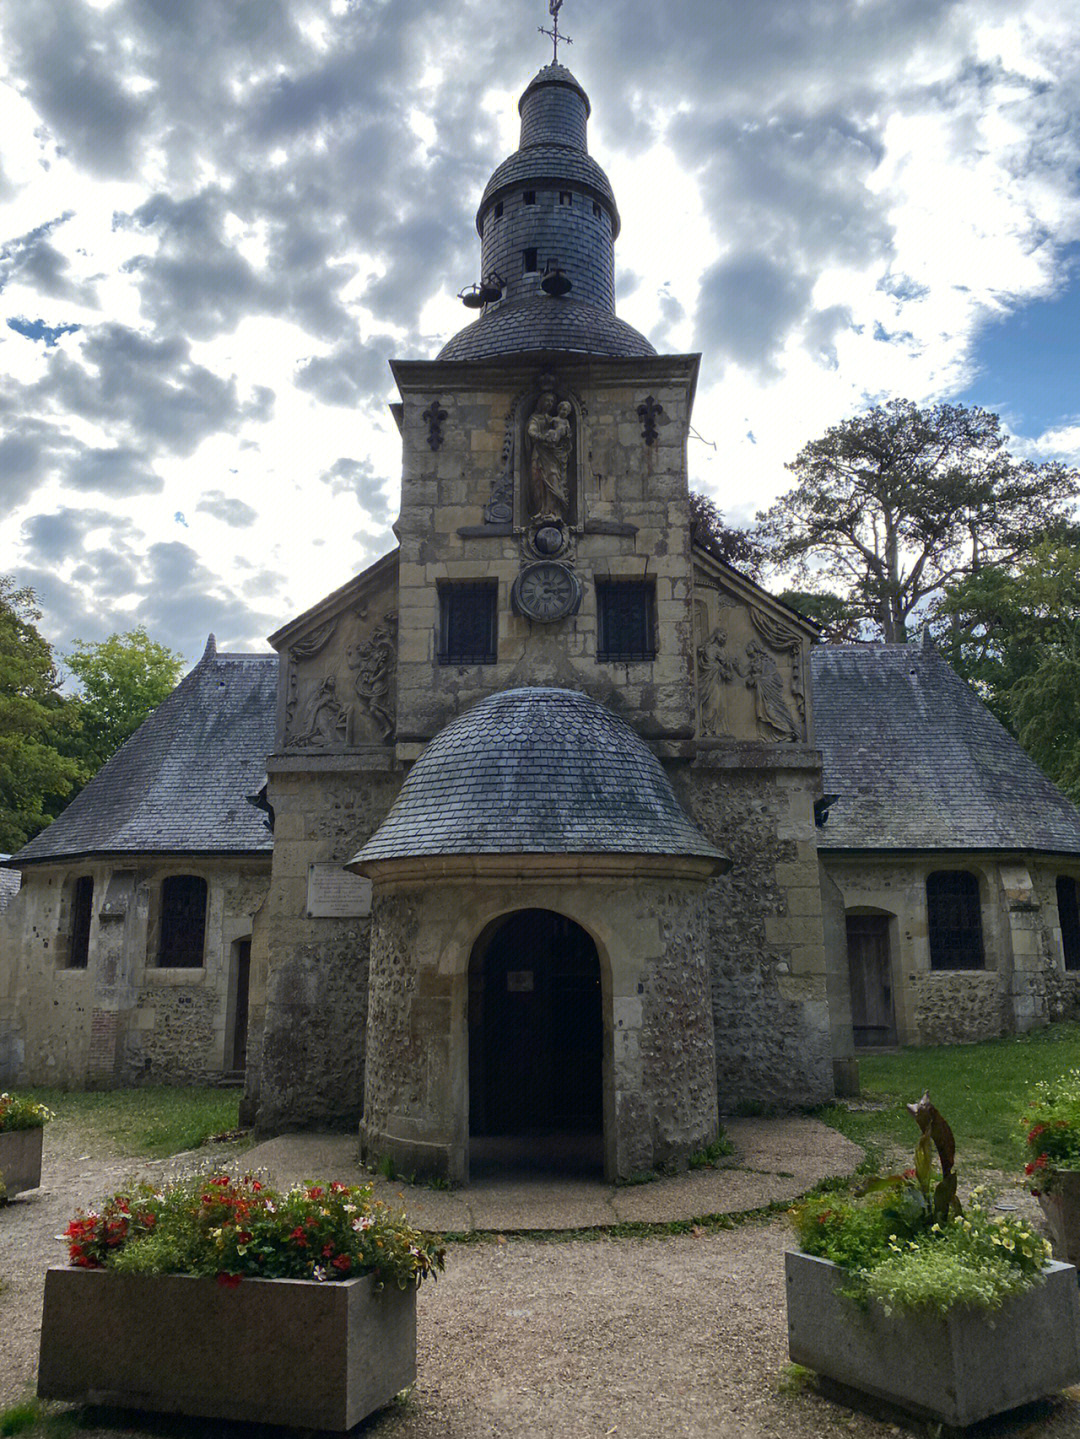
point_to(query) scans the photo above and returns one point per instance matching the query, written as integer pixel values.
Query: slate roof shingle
(920, 763)
(546, 323)
(536, 771)
(179, 783)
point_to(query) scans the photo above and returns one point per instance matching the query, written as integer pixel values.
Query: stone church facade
(525, 828)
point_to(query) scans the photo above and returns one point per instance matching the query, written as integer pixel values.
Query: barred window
(468, 623)
(626, 620)
(82, 908)
(183, 922)
(1069, 917)
(954, 920)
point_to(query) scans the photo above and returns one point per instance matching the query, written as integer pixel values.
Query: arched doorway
(536, 1034)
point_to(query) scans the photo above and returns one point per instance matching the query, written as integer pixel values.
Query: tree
(37, 770)
(839, 622)
(1014, 633)
(742, 549)
(123, 679)
(896, 503)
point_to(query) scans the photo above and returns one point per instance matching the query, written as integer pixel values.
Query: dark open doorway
(536, 1045)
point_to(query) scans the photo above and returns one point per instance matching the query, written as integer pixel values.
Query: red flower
(228, 1281)
(342, 1262)
(1034, 1132)
(327, 1250)
(1029, 1169)
(316, 1192)
(300, 1237)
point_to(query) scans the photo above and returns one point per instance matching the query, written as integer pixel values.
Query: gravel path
(588, 1339)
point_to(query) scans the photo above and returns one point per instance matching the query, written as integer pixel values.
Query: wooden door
(870, 970)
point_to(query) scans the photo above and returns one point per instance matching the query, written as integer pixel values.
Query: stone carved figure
(324, 720)
(716, 668)
(551, 439)
(764, 678)
(374, 662)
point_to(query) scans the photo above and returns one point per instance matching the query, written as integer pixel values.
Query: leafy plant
(907, 1243)
(16, 1113)
(1052, 1124)
(235, 1229)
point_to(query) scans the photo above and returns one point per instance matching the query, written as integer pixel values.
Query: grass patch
(147, 1123)
(981, 1089)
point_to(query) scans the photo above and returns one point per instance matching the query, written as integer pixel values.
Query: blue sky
(219, 221)
(1027, 364)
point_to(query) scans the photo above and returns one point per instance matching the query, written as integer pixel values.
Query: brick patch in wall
(104, 1024)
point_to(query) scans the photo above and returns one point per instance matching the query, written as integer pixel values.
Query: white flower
(318, 1272)
(364, 1222)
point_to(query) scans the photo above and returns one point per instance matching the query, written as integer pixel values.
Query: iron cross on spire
(554, 6)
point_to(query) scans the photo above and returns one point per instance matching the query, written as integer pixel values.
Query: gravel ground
(617, 1339)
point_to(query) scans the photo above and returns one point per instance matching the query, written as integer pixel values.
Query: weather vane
(554, 6)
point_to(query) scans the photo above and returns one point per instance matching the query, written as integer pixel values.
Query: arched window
(82, 906)
(183, 922)
(1069, 916)
(954, 920)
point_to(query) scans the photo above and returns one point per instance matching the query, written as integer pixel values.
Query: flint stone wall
(764, 933)
(310, 974)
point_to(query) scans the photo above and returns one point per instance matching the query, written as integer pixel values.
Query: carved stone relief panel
(341, 680)
(750, 671)
(546, 458)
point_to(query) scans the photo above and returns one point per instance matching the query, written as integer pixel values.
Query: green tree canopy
(896, 503)
(37, 768)
(122, 679)
(740, 548)
(1014, 632)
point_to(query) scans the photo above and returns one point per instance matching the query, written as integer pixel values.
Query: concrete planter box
(957, 1368)
(274, 1351)
(20, 1159)
(1061, 1206)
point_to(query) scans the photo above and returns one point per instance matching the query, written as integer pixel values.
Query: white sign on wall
(334, 893)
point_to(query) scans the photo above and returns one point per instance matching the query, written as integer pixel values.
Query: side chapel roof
(920, 763)
(178, 785)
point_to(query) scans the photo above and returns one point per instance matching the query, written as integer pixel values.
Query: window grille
(954, 920)
(625, 616)
(183, 922)
(1069, 917)
(468, 623)
(82, 908)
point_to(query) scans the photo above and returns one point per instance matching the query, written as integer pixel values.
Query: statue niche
(548, 474)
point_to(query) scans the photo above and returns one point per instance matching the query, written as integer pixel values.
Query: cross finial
(554, 6)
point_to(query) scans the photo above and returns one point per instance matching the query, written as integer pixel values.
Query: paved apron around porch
(774, 1160)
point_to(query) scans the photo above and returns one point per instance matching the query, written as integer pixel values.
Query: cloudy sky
(219, 218)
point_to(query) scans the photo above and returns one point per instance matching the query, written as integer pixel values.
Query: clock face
(547, 592)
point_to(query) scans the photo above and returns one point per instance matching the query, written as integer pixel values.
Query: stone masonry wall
(310, 973)
(764, 925)
(122, 1019)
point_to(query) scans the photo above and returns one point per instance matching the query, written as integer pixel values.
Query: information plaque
(334, 893)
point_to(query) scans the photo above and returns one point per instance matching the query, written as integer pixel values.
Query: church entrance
(535, 1044)
(870, 970)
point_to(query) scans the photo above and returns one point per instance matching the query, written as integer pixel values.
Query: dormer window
(565, 197)
(530, 197)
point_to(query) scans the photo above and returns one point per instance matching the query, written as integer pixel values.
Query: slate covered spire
(549, 208)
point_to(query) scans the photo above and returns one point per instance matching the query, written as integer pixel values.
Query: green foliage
(37, 770)
(982, 1086)
(1014, 633)
(123, 679)
(1052, 1129)
(706, 1158)
(838, 618)
(893, 504)
(21, 1418)
(150, 1122)
(742, 549)
(906, 1244)
(211, 1224)
(16, 1113)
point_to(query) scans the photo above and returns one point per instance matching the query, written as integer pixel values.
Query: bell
(472, 297)
(491, 289)
(556, 283)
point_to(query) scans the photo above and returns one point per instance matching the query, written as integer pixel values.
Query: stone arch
(538, 1039)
